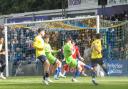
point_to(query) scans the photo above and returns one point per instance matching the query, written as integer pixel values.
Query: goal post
(50, 25)
(6, 50)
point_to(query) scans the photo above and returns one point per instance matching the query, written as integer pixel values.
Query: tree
(20, 6)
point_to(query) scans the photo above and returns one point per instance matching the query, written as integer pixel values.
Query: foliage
(20, 6)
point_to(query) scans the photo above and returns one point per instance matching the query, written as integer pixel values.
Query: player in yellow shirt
(96, 53)
(40, 54)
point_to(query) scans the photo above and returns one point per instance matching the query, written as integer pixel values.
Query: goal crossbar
(36, 22)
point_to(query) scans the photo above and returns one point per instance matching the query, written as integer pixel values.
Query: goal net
(20, 54)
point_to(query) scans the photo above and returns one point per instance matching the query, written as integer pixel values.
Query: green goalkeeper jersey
(68, 52)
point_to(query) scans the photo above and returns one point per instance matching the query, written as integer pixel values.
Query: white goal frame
(36, 22)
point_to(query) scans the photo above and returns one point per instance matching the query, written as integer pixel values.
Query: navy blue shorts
(94, 62)
(42, 58)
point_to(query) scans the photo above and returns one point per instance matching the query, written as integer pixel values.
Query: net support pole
(98, 24)
(6, 51)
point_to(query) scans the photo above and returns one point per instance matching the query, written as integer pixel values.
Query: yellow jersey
(39, 46)
(94, 53)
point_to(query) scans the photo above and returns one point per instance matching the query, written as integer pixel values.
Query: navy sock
(59, 70)
(87, 67)
(77, 73)
(47, 75)
(93, 74)
(56, 71)
(2, 68)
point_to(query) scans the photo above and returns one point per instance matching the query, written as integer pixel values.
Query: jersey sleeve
(47, 48)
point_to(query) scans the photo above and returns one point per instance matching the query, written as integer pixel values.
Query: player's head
(41, 31)
(73, 43)
(97, 36)
(68, 38)
(46, 38)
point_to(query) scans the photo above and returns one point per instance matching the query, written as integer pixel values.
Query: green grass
(35, 82)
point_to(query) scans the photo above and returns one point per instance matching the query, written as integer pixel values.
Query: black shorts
(94, 62)
(2, 62)
(42, 58)
(2, 59)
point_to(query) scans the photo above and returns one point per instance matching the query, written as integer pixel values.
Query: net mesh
(115, 42)
(20, 39)
(22, 54)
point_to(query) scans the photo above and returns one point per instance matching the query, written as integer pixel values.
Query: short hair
(75, 41)
(68, 38)
(97, 36)
(46, 36)
(40, 29)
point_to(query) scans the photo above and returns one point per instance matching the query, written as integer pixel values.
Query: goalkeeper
(68, 51)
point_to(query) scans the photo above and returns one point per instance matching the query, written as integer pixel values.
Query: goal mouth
(19, 36)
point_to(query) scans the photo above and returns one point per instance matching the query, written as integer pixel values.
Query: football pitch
(35, 82)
